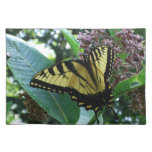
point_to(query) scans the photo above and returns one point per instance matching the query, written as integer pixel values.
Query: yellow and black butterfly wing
(86, 81)
(81, 79)
(101, 60)
(67, 77)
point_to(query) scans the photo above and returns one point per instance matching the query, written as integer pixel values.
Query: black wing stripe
(92, 56)
(51, 71)
(99, 51)
(60, 68)
(71, 68)
(109, 63)
(98, 56)
(95, 53)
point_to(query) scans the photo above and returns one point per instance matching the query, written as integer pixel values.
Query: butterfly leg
(96, 114)
(116, 116)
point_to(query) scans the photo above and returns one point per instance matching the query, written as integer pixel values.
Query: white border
(75, 14)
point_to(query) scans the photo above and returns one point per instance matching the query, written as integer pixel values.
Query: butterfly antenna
(116, 116)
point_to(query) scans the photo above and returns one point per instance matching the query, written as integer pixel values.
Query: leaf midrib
(59, 107)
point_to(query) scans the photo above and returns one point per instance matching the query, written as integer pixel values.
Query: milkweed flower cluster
(35, 111)
(125, 41)
(128, 48)
(138, 100)
(93, 37)
(132, 46)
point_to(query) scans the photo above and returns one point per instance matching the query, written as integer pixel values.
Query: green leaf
(8, 107)
(24, 62)
(72, 41)
(130, 83)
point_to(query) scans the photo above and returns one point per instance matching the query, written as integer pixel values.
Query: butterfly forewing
(66, 76)
(101, 59)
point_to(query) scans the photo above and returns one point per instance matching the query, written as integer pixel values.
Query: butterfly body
(86, 81)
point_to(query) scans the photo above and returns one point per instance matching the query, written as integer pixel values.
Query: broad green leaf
(24, 62)
(129, 84)
(72, 41)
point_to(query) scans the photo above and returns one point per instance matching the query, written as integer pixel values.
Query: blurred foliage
(16, 110)
(141, 32)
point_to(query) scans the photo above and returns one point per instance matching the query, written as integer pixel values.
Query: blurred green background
(53, 45)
